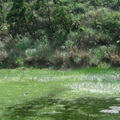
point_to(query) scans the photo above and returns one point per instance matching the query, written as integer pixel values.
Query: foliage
(62, 18)
(1, 13)
(19, 17)
(58, 58)
(107, 21)
(2, 46)
(115, 60)
(47, 31)
(38, 56)
(70, 58)
(3, 55)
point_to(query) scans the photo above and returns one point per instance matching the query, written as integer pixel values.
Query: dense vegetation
(62, 33)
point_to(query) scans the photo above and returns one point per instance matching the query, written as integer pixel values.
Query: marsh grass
(19, 86)
(99, 83)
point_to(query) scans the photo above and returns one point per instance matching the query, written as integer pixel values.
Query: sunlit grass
(20, 85)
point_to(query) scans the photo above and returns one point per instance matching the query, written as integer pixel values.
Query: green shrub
(58, 38)
(23, 44)
(38, 56)
(57, 58)
(77, 58)
(97, 54)
(72, 57)
(17, 48)
(107, 21)
(85, 59)
(102, 54)
(62, 18)
(75, 33)
(31, 52)
(2, 46)
(71, 41)
(89, 37)
(5, 61)
(3, 56)
(79, 8)
(19, 61)
(112, 4)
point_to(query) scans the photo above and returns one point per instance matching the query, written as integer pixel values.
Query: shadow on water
(53, 108)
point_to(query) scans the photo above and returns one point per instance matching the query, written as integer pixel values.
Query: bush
(16, 49)
(115, 60)
(85, 59)
(88, 37)
(58, 38)
(112, 4)
(102, 54)
(31, 52)
(5, 61)
(2, 46)
(23, 43)
(79, 8)
(71, 58)
(71, 41)
(62, 18)
(91, 37)
(75, 33)
(3, 56)
(77, 58)
(73, 54)
(38, 56)
(107, 21)
(97, 54)
(58, 58)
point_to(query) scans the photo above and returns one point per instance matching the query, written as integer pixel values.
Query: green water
(53, 108)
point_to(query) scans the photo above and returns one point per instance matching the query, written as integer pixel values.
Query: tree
(1, 13)
(62, 18)
(20, 19)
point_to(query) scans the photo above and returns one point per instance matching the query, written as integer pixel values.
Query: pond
(53, 108)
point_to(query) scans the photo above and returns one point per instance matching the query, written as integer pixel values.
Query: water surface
(53, 108)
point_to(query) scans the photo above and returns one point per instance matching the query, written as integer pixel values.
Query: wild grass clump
(115, 60)
(85, 59)
(103, 55)
(38, 56)
(3, 56)
(70, 58)
(2, 46)
(58, 58)
(6, 61)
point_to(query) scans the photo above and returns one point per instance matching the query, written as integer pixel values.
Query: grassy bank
(19, 86)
